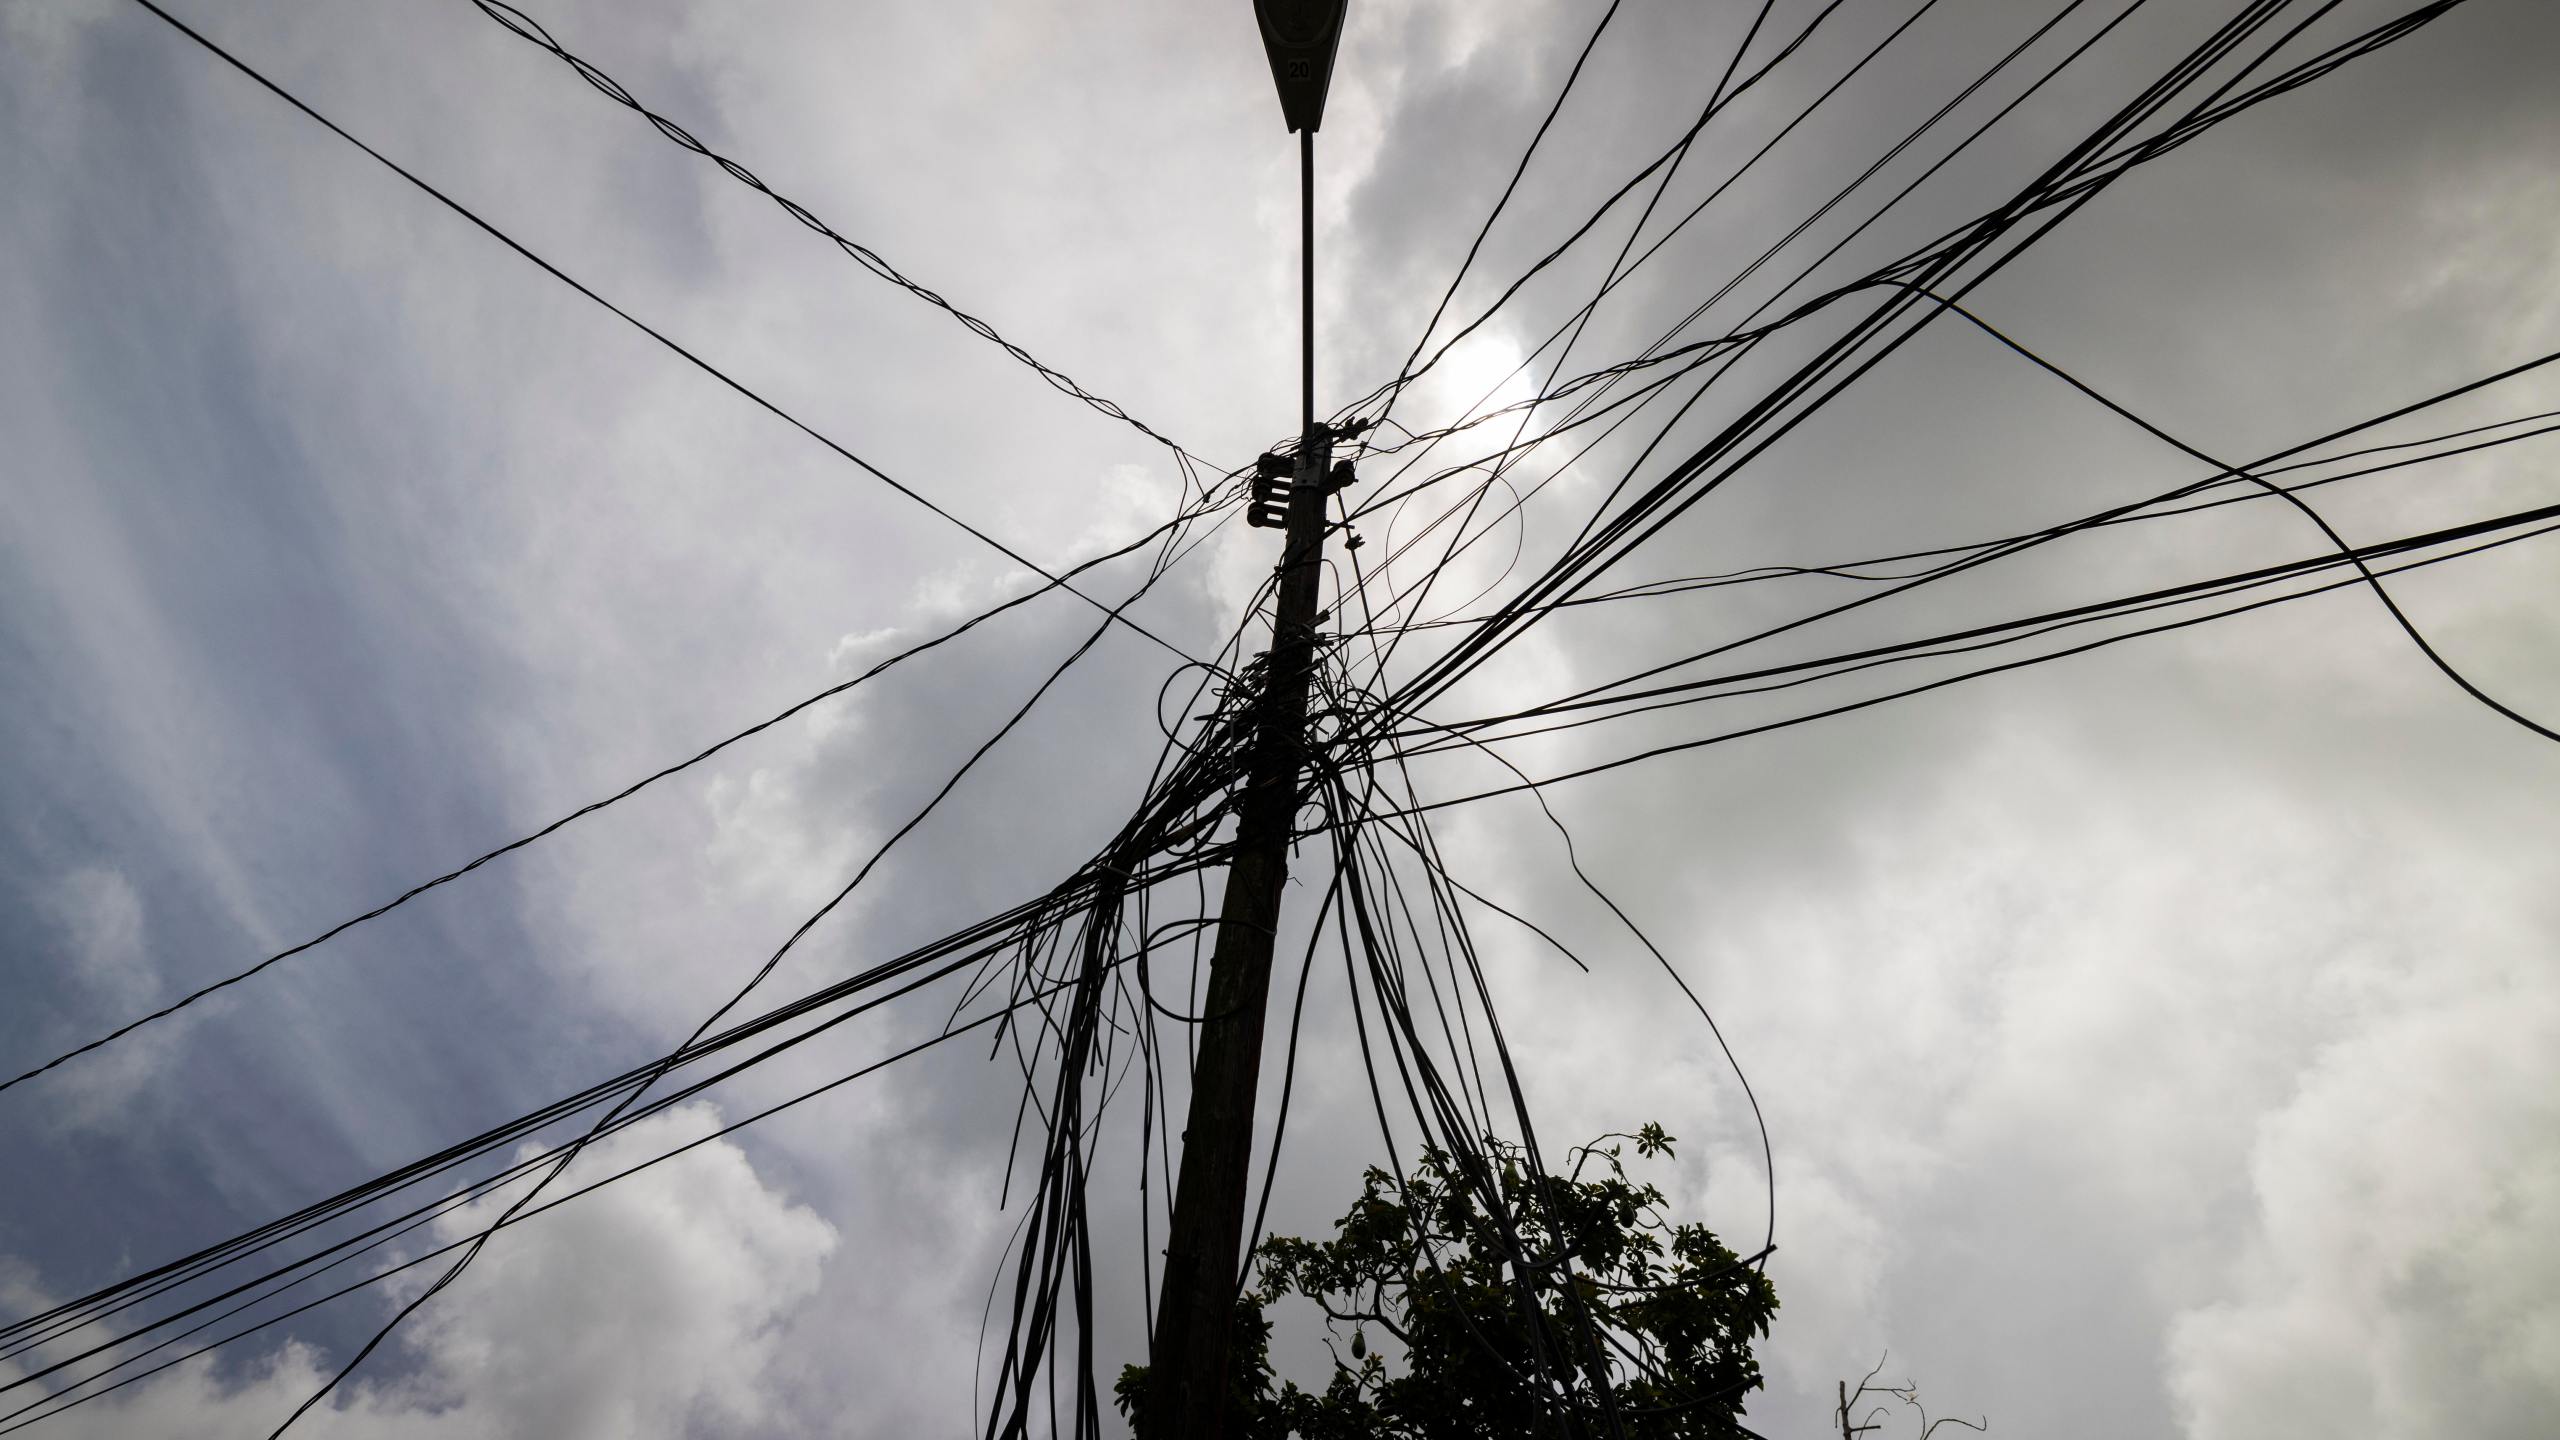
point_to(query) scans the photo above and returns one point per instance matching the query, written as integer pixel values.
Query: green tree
(1650, 1319)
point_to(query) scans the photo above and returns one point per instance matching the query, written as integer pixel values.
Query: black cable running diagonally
(1731, 345)
(1197, 785)
(1405, 373)
(1050, 582)
(1961, 677)
(1679, 157)
(705, 366)
(1766, 421)
(2251, 472)
(570, 1154)
(2407, 627)
(1789, 674)
(1945, 556)
(525, 27)
(591, 807)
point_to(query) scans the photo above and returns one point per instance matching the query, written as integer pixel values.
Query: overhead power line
(1963, 260)
(570, 1154)
(2372, 581)
(1862, 569)
(1977, 556)
(1797, 672)
(1076, 987)
(525, 27)
(1405, 374)
(2543, 521)
(1050, 582)
(591, 807)
(705, 366)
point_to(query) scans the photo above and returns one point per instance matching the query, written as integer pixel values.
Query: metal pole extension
(1189, 1365)
(1307, 287)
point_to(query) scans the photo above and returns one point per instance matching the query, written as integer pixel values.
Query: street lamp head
(1300, 36)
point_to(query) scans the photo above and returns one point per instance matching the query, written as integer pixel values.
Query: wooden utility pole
(1202, 1264)
(1189, 1366)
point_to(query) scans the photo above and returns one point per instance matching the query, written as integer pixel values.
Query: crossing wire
(1050, 582)
(1056, 1266)
(643, 327)
(526, 28)
(1840, 363)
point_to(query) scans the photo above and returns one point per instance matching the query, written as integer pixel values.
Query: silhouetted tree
(1477, 1299)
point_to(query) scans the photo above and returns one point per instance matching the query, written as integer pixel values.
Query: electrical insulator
(1271, 489)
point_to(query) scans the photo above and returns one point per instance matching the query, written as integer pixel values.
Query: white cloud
(102, 918)
(105, 961)
(2403, 1277)
(50, 31)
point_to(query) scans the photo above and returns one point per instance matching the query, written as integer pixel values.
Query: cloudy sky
(2160, 1041)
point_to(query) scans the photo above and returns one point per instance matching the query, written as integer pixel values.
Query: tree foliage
(1479, 1299)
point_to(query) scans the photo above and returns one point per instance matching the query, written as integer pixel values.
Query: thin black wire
(570, 1156)
(2221, 476)
(1842, 362)
(1431, 439)
(1800, 672)
(1066, 1258)
(525, 27)
(1941, 683)
(1856, 570)
(1406, 372)
(952, 1032)
(590, 808)
(1731, 345)
(1051, 582)
(697, 361)
(2380, 593)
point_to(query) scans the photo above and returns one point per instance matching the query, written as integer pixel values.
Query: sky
(2161, 1041)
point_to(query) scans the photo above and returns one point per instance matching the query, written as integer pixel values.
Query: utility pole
(1189, 1358)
